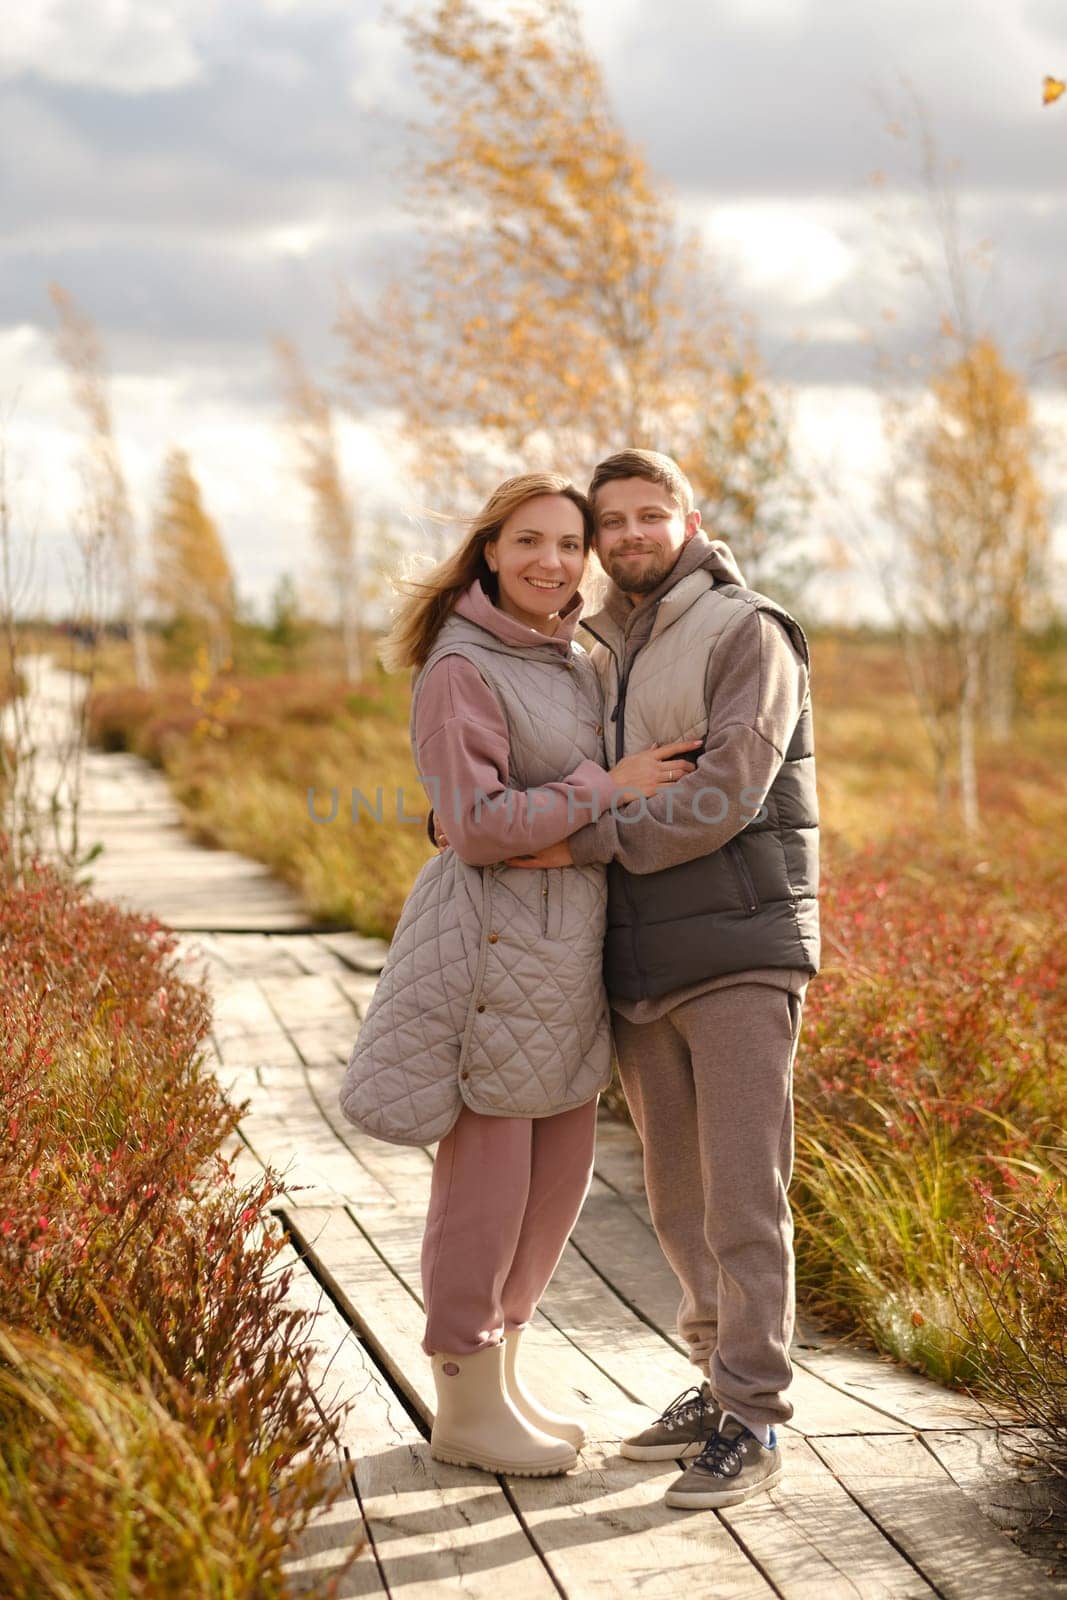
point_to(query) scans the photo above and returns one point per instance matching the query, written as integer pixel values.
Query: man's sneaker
(681, 1431)
(732, 1465)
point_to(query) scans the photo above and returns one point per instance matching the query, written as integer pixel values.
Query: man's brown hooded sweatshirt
(713, 882)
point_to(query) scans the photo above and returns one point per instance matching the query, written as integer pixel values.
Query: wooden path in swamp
(889, 1478)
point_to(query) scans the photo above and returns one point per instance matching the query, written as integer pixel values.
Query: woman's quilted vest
(492, 994)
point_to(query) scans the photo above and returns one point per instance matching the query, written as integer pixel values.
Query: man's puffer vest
(753, 903)
(492, 993)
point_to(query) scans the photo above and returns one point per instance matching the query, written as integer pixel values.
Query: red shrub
(943, 992)
(122, 1233)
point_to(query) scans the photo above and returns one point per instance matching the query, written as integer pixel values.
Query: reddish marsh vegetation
(931, 1089)
(158, 1431)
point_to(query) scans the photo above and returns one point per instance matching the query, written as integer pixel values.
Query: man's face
(640, 531)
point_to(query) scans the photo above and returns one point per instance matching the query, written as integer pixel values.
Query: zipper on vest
(749, 897)
(544, 903)
(618, 717)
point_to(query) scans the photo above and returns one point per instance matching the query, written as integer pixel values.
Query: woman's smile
(546, 529)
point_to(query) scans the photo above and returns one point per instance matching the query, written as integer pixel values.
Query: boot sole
(712, 1499)
(661, 1452)
(511, 1469)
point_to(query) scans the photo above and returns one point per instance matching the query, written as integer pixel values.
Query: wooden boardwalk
(886, 1474)
(148, 861)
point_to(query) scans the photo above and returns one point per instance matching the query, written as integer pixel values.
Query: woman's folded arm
(461, 738)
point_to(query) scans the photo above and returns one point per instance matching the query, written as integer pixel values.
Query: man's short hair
(647, 464)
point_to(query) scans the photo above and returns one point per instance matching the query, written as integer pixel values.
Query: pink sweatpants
(505, 1194)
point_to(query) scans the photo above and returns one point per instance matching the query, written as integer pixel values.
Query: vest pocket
(746, 888)
(544, 902)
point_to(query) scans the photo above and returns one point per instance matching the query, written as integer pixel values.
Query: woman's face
(538, 558)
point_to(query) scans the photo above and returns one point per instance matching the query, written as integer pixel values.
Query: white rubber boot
(477, 1426)
(550, 1422)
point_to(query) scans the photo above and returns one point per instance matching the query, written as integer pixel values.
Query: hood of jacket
(619, 616)
(475, 605)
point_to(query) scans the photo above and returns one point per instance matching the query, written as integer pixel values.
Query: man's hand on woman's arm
(637, 777)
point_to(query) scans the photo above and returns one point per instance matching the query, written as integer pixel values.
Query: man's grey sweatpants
(710, 1090)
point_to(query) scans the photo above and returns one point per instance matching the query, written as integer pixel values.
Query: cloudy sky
(203, 174)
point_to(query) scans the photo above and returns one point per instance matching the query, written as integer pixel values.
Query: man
(712, 937)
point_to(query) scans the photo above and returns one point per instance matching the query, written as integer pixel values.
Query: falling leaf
(917, 1319)
(1053, 88)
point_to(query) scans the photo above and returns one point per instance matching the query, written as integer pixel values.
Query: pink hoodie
(461, 739)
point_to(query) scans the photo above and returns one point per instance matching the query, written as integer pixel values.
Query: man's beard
(651, 574)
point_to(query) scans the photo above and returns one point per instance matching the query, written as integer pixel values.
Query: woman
(489, 1028)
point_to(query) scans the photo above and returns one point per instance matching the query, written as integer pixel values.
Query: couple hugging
(630, 860)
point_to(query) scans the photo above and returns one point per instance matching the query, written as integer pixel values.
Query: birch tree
(966, 497)
(555, 308)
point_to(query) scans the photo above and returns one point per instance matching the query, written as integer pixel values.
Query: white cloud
(380, 75)
(777, 246)
(240, 456)
(130, 46)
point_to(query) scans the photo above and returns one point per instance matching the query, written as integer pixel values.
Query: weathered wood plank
(255, 955)
(309, 953)
(815, 1543)
(904, 1396)
(551, 1358)
(434, 1530)
(371, 1296)
(359, 987)
(620, 1165)
(319, 1020)
(569, 1518)
(319, 1551)
(1010, 1486)
(809, 1538)
(283, 1125)
(625, 1253)
(356, 950)
(908, 1493)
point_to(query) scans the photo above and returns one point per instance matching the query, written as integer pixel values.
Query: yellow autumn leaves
(556, 308)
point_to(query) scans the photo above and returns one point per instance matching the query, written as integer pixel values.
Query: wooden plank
(320, 1021)
(815, 1543)
(625, 1253)
(357, 950)
(908, 1493)
(904, 1396)
(558, 1365)
(601, 1530)
(309, 953)
(637, 1358)
(809, 1538)
(325, 1543)
(247, 1166)
(200, 963)
(606, 1532)
(1010, 1487)
(255, 954)
(619, 1163)
(283, 1125)
(435, 1530)
(359, 987)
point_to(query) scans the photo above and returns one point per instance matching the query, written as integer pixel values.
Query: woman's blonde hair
(428, 600)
